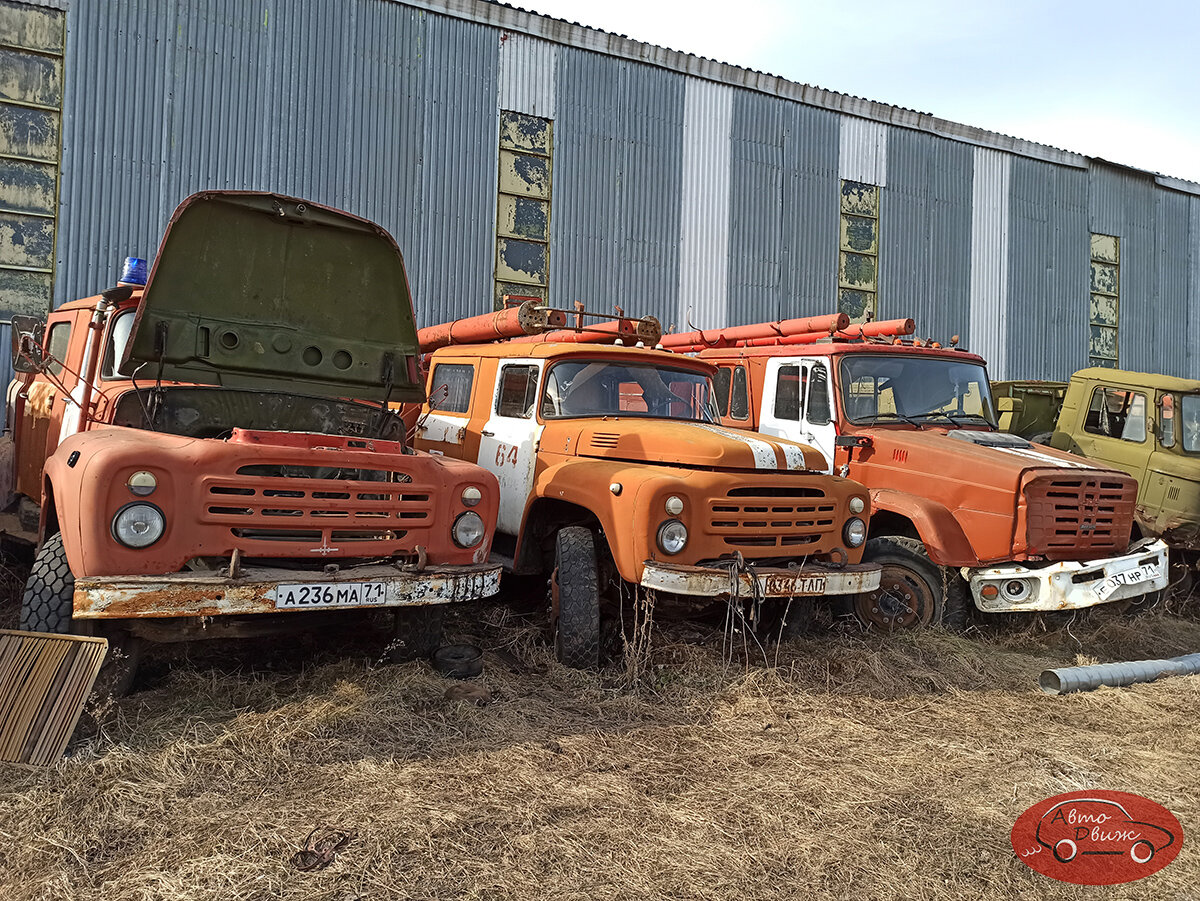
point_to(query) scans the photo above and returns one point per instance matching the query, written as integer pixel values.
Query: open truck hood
(261, 291)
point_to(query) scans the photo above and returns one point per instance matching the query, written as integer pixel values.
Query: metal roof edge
(572, 34)
(1177, 184)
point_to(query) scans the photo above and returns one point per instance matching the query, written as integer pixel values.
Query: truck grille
(772, 517)
(291, 503)
(1077, 517)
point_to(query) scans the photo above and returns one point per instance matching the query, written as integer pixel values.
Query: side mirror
(28, 333)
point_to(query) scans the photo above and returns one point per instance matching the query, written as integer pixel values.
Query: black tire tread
(48, 601)
(418, 632)
(577, 641)
(952, 606)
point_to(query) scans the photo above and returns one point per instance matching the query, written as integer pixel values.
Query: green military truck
(1146, 424)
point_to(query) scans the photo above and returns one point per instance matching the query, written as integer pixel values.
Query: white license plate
(330, 594)
(1142, 574)
(810, 585)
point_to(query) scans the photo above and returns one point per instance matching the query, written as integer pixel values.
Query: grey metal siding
(784, 210)
(369, 106)
(1190, 309)
(1048, 271)
(925, 234)
(618, 186)
(1163, 339)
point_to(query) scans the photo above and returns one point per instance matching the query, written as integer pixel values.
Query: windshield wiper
(878, 416)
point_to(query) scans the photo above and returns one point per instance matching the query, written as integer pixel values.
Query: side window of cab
(58, 339)
(450, 387)
(1117, 413)
(518, 390)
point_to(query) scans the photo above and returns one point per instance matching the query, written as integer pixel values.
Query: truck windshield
(1190, 408)
(577, 388)
(899, 388)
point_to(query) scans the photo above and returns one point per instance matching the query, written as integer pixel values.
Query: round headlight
(857, 505)
(471, 496)
(138, 525)
(855, 532)
(674, 505)
(1016, 589)
(468, 529)
(142, 483)
(672, 536)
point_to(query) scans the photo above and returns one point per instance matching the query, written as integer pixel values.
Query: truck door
(42, 407)
(796, 404)
(1116, 429)
(509, 437)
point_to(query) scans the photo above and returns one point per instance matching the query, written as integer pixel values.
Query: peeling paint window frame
(535, 196)
(853, 213)
(514, 405)
(1105, 258)
(459, 381)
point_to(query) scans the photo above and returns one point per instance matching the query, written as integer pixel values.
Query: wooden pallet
(45, 680)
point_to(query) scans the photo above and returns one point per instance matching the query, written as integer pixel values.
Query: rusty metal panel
(925, 261)
(704, 209)
(863, 151)
(1048, 265)
(618, 185)
(527, 67)
(987, 330)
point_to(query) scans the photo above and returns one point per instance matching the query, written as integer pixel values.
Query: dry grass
(853, 767)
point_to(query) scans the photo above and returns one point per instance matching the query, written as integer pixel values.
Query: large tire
(914, 592)
(781, 620)
(47, 606)
(49, 595)
(575, 598)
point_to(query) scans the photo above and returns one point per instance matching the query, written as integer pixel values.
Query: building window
(858, 252)
(523, 207)
(1106, 301)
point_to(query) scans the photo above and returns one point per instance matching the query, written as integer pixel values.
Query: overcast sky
(1119, 81)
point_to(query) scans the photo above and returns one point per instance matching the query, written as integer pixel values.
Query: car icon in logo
(1082, 826)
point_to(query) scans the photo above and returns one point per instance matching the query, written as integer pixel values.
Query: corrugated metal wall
(1048, 270)
(400, 127)
(925, 234)
(660, 179)
(618, 185)
(784, 210)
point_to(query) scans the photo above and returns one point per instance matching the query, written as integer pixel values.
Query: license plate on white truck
(1145, 573)
(330, 594)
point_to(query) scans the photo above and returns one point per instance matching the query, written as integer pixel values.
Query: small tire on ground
(458, 661)
(575, 598)
(914, 592)
(417, 632)
(49, 595)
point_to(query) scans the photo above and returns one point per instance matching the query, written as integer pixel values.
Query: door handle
(486, 434)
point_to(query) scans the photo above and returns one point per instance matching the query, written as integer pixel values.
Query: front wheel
(913, 591)
(47, 606)
(575, 598)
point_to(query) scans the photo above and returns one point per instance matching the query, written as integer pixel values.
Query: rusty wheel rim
(902, 601)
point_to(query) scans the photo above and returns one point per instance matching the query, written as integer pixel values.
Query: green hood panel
(260, 291)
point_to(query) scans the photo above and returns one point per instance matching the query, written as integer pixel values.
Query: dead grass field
(851, 766)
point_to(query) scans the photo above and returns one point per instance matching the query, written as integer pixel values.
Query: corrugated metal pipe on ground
(1085, 678)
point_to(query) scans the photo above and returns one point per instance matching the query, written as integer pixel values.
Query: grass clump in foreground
(847, 765)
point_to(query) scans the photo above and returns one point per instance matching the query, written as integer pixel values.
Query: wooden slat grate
(45, 680)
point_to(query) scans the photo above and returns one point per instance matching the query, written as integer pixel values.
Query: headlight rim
(849, 538)
(112, 526)
(658, 537)
(458, 521)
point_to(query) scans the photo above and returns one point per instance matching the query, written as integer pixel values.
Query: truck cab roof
(837, 348)
(544, 350)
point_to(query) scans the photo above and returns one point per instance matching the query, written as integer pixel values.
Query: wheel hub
(900, 602)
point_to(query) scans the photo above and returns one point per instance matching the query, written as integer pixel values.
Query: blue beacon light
(133, 272)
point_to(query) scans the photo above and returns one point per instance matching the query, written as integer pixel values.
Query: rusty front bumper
(1069, 585)
(772, 582)
(263, 590)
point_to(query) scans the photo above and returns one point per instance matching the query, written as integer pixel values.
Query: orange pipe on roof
(524, 319)
(886, 328)
(728, 337)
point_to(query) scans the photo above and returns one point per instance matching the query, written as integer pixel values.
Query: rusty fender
(259, 590)
(773, 582)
